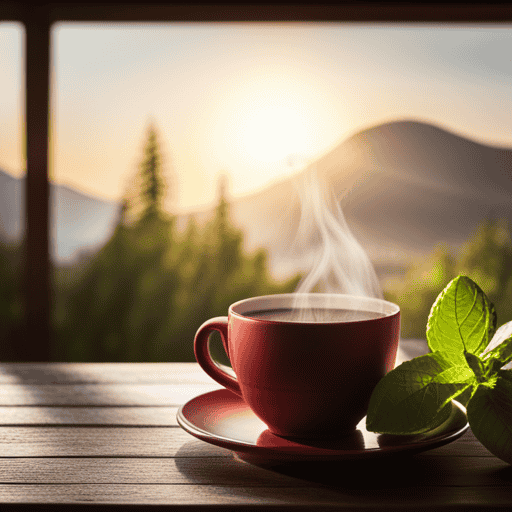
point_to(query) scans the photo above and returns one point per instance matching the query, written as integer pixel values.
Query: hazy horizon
(279, 179)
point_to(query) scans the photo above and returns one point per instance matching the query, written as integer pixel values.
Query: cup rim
(305, 300)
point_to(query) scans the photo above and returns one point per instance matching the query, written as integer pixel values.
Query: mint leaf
(462, 319)
(415, 397)
(490, 415)
(499, 351)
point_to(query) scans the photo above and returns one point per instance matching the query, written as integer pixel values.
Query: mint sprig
(462, 319)
(465, 363)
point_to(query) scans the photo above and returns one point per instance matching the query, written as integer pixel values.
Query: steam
(339, 263)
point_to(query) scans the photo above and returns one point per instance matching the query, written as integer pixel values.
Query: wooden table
(106, 434)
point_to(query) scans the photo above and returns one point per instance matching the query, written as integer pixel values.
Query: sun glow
(270, 133)
(272, 117)
(267, 124)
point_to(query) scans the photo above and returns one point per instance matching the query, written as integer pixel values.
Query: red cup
(302, 376)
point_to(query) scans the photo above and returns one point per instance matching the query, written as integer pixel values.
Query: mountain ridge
(403, 186)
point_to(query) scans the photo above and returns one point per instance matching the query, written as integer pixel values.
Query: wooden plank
(89, 416)
(183, 470)
(203, 497)
(125, 441)
(161, 494)
(101, 394)
(90, 373)
(456, 472)
(46, 416)
(102, 442)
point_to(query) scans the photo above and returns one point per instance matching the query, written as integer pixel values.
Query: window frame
(38, 18)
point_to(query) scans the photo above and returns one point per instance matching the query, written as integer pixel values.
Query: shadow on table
(503, 474)
(394, 472)
(398, 471)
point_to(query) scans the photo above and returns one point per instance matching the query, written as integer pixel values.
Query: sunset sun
(271, 133)
(268, 125)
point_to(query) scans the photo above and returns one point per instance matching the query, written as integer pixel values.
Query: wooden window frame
(38, 18)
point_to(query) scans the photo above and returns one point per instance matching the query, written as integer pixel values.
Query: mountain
(403, 186)
(10, 207)
(83, 222)
(428, 184)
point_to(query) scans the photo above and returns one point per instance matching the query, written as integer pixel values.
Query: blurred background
(178, 154)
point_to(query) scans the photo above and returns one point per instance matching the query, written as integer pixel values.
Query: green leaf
(415, 397)
(490, 415)
(499, 351)
(462, 319)
(477, 366)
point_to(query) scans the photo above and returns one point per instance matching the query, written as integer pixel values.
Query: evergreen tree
(145, 194)
(226, 239)
(152, 182)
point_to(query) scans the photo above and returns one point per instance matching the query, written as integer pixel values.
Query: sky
(253, 100)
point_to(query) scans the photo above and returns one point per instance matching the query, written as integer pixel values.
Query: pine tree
(146, 191)
(227, 239)
(152, 182)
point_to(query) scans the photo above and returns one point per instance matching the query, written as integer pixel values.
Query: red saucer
(223, 419)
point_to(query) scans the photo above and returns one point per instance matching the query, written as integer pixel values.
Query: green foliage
(486, 258)
(414, 397)
(145, 293)
(145, 196)
(153, 185)
(490, 416)
(468, 355)
(462, 319)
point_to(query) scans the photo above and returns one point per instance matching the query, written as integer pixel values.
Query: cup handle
(203, 355)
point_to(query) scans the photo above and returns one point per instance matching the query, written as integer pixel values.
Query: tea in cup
(305, 364)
